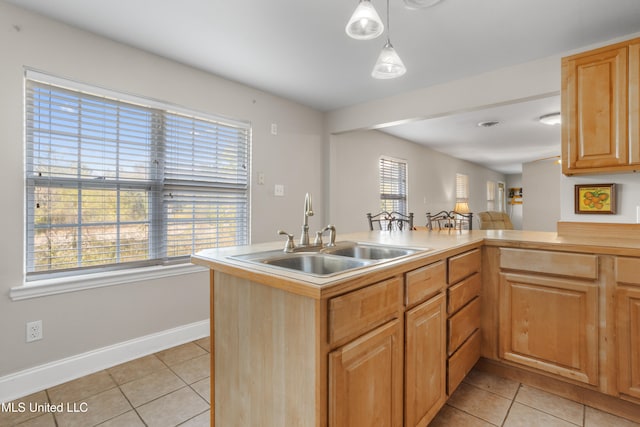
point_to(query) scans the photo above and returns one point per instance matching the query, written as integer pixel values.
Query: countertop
(433, 245)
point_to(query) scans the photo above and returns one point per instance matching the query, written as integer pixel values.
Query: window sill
(63, 285)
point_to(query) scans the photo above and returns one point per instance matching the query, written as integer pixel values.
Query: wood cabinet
(366, 372)
(548, 319)
(365, 380)
(425, 361)
(370, 351)
(463, 311)
(600, 114)
(628, 325)
(425, 344)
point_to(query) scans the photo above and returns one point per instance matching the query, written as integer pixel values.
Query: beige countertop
(433, 245)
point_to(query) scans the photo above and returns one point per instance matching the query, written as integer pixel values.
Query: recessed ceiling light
(550, 119)
(488, 124)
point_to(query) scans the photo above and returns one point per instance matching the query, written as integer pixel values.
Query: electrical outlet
(34, 330)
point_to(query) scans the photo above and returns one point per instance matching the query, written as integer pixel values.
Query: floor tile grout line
(513, 400)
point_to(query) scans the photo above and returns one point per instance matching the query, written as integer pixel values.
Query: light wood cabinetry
(463, 310)
(425, 361)
(383, 349)
(549, 320)
(365, 379)
(600, 114)
(366, 372)
(426, 341)
(628, 325)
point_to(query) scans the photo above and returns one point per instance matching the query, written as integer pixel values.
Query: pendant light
(389, 65)
(365, 23)
(420, 4)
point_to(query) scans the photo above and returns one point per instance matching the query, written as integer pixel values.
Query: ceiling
(298, 49)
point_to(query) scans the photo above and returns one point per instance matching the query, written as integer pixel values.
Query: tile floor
(168, 388)
(171, 388)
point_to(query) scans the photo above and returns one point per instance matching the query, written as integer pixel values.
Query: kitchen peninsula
(386, 344)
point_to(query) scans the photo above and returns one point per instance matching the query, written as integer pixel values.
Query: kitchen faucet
(308, 211)
(304, 237)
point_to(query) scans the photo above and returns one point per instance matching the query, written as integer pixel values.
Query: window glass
(113, 183)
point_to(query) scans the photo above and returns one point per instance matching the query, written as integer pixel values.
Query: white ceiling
(298, 49)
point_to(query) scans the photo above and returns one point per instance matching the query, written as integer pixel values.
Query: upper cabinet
(600, 110)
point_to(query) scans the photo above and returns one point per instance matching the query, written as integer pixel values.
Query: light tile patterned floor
(485, 400)
(171, 388)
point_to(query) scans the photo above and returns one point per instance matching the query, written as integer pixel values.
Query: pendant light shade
(420, 4)
(365, 23)
(389, 65)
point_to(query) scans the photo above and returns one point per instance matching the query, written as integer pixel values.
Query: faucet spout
(308, 211)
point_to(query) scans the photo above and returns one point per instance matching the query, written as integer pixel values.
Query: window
(112, 183)
(393, 185)
(491, 195)
(462, 188)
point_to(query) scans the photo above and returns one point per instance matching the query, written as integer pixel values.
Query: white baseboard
(31, 380)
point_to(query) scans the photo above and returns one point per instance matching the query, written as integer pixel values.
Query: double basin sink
(328, 261)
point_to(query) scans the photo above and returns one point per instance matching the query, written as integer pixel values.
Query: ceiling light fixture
(550, 119)
(488, 124)
(389, 65)
(420, 4)
(365, 23)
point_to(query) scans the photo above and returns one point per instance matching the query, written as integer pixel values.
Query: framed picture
(595, 199)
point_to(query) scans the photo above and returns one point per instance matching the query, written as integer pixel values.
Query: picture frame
(595, 199)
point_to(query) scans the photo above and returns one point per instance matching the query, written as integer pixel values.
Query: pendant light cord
(388, 26)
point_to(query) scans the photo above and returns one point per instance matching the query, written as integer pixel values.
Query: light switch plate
(279, 190)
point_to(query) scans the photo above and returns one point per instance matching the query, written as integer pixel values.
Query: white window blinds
(393, 185)
(462, 187)
(112, 184)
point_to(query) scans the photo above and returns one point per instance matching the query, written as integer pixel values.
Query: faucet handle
(318, 240)
(290, 245)
(332, 234)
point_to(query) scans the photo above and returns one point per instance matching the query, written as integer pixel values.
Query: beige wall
(354, 178)
(81, 321)
(541, 195)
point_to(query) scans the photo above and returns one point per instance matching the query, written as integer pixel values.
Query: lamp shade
(389, 65)
(462, 207)
(365, 23)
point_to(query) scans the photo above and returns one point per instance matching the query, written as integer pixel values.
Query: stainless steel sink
(324, 262)
(368, 251)
(313, 263)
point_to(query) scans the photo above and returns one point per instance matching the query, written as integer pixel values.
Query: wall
(627, 194)
(354, 178)
(541, 195)
(506, 85)
(82, 321)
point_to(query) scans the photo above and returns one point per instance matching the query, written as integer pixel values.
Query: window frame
(399, 200)
(156, 212)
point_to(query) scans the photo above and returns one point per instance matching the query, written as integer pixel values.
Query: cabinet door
(550, 324)
(365, 380)
(425, 361)
(595, 110)
(628, 328)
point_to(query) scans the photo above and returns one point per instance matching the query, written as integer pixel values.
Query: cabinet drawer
(628, 270)
(424, 282)
(461, 362)
(463, 265)
(357, 312)
(583, 266)
(463, 292)
(462, 324)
